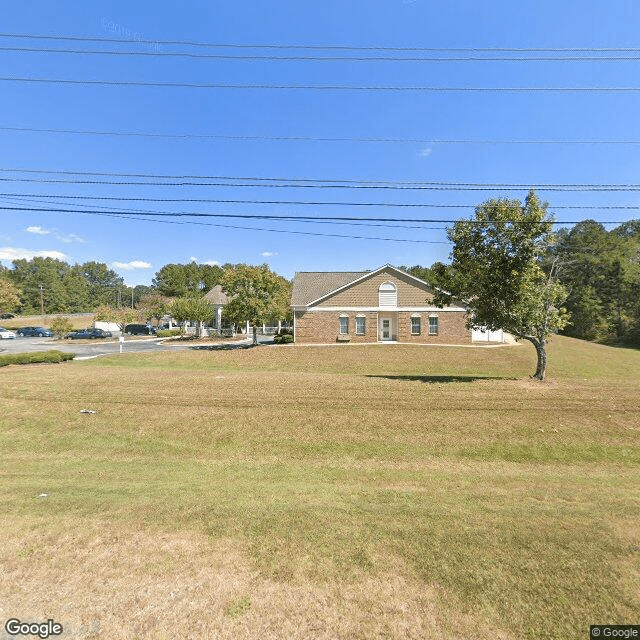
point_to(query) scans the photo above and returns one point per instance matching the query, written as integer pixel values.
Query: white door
(385, 328)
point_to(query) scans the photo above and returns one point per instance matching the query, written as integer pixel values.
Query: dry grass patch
(122, 583)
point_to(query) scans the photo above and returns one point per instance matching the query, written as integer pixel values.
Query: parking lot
(86, 348)
(108, 346)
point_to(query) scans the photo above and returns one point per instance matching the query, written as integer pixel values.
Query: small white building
(106, 326)
(484, 335)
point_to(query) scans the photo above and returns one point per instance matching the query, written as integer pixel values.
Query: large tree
(256, 294)
(42, 280)
(153, 305)
(496, 269)
(192, 308)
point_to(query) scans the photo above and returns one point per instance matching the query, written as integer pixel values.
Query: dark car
(35, 331)
(139, 330)
(89, 333)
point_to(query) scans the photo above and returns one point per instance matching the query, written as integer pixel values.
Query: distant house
(384, 305)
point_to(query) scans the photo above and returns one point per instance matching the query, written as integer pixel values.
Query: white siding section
(388, 295)
(483, 335)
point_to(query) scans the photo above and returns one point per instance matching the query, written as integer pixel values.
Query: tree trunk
(541, 352)
(255, 334)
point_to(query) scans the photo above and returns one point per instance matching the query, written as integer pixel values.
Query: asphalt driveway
(109, 346)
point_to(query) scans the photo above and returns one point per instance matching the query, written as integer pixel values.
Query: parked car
(139, 330)
(89, 333)
(5, 334)
(35, 331)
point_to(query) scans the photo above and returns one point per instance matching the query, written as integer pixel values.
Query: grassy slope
(497, 507)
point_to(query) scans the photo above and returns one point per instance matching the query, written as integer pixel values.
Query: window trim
(343, 319)
(363, 320)
(437, 326)
(412, 320)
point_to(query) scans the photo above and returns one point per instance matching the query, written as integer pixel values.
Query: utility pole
(42, 301)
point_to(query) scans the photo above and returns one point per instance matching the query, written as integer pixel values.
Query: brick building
(384, 305)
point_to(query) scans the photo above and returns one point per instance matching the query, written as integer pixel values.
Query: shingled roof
(217, 296)
(311, 285)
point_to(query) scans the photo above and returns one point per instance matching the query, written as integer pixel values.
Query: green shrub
(168, 333)
(283, 339)
(35, 357)
(61, 326)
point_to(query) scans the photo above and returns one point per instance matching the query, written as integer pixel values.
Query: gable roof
(217, 296)
(312, 286)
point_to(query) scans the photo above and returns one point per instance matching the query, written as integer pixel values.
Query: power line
(269, 138)
(285, 218)
(318, 87)
(120, 215)
(226, 45)
(356, 222)
(311, 183)
(27, 196)
(308, 58)
(323, 181)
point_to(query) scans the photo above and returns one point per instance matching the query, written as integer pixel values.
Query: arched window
(388, 295)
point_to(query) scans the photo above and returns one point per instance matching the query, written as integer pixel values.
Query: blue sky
(137, 248)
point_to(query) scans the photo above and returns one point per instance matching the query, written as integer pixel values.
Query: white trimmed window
(415, 325)
(344, 325)
(433, 325)
(360, 325)
(388, 295)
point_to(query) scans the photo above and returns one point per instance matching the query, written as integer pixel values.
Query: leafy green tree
(175, 280)
(192, 308)
(496, 270)
(77, 290)
(9, 296)
(171, 280)
(601, 271)
(154, 306)
(102, 283)
(30, 275)
(140, 291)
(256, 294)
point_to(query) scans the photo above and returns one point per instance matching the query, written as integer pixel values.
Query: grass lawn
(79, 321)
(346, 492)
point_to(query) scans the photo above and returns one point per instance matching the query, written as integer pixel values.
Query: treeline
(63, 288)
(600, 271)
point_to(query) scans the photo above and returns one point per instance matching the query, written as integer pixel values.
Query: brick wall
(451, 328)
(323, 327)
